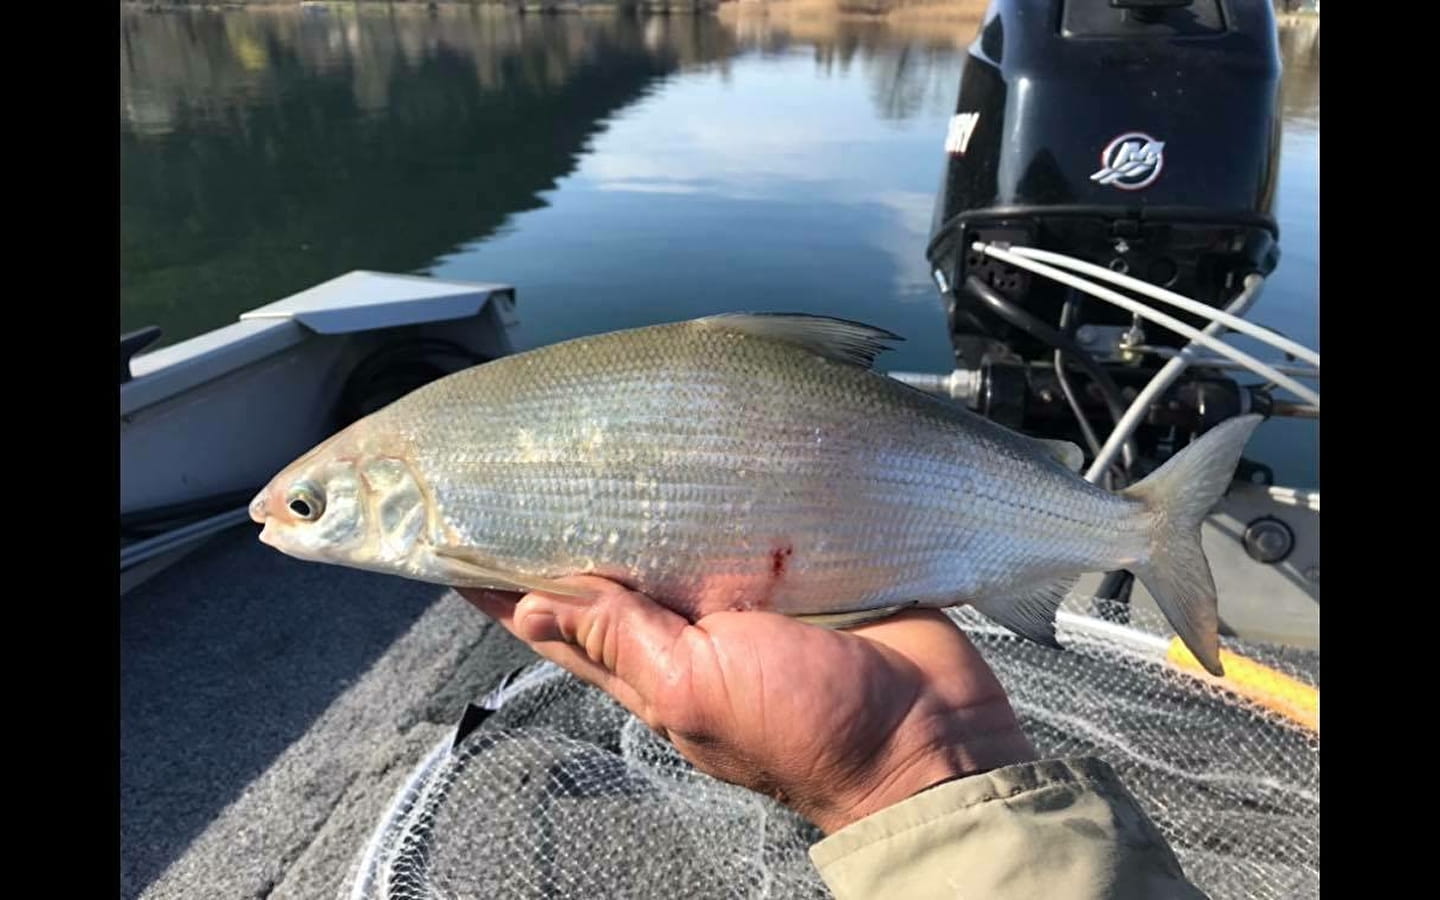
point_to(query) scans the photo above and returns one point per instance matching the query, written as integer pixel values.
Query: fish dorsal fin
(1067, 454)
(837, 339)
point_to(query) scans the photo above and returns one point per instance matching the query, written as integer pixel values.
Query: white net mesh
(561, 793)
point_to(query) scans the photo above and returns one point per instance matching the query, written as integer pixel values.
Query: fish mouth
(257, 506)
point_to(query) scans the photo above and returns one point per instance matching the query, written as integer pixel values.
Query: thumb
(619, 640)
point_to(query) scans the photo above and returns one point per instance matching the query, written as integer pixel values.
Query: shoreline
(780, 11)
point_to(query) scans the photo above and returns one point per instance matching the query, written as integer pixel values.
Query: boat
(206, 422)
(1067, 237)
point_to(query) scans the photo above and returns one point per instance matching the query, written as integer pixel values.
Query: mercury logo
(962, 128)
(1130, 162)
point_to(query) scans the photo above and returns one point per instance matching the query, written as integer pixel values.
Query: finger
(545, 637)
(573, 659)
(501, 606)
(623, 632)
(498, 605)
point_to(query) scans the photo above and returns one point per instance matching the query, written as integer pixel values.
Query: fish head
(347, 502)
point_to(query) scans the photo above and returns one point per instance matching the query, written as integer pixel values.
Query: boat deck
(270, 709)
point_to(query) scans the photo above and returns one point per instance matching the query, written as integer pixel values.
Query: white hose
(1145, 312)
(1161, 382)
(1259, 332)
(1216, 362)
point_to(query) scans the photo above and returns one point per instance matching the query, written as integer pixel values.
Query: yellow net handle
(1260, 684)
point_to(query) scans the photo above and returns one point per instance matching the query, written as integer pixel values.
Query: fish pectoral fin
(1031, 614)
(836, 339)
(851, 619)
(471, 571)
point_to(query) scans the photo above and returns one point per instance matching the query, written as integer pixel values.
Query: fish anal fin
(1031, 613)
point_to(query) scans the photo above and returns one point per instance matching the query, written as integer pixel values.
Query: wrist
(964, 744)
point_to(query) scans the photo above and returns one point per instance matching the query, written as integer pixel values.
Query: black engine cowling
(1140, 135)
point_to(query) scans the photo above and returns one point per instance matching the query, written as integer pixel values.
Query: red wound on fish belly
(752, 593)
(780, 561)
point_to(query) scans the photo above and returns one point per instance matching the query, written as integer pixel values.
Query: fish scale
(742, 462)
(767, 412)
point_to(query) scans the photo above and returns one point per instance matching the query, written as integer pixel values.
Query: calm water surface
(618, 171)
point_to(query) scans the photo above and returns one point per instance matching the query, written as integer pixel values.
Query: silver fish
(743, 462)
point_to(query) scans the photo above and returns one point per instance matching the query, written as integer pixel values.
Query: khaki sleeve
(1056, 829)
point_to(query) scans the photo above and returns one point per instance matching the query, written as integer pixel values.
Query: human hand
(836, 724)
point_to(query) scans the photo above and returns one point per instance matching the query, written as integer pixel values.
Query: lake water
(618, 170)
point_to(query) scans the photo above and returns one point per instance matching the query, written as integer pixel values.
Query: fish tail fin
(1178, 496)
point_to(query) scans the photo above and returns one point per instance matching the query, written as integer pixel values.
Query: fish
(744, 461)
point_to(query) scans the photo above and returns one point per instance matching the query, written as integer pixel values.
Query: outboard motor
(1138, 135)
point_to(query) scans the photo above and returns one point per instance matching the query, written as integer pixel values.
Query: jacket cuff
(1053, 828)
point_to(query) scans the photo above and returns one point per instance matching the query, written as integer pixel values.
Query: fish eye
(306, 502)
